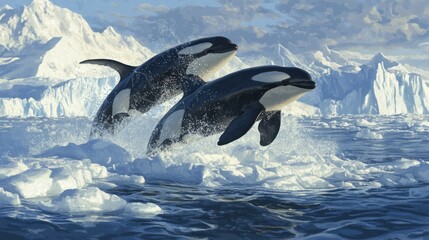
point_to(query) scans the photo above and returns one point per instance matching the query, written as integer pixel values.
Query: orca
(232, 104)
(160, 78)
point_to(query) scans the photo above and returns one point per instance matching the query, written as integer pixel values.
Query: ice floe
(366, 133)
(86, 172)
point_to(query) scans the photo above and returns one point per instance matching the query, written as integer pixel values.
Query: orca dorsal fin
(190, 83)
(241, 124)
(269, 127)
(123, 69)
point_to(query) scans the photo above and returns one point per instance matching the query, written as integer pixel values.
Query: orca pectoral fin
(241, 124)
(269, 127)
(123, 69)
(190, 83)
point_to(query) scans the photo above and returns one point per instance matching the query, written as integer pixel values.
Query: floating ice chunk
(149, 167)
(365, 133)
(31, 183)
(420, 126)
(343, 125)
(397, 180)
(404, 172)
(69, 177)
(423, 124)
(363, 123)
(11, 168)
(98, 151)
(238, 174)
(62, 183)
(156, 169)
(142, 210)
(75, 174)
(8, 198)
(88, 200)
(131, 179)
(97, 171)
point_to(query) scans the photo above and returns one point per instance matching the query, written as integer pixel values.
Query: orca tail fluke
(124, 70)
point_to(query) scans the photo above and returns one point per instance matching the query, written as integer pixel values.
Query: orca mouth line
(301, 83)
(224, 48)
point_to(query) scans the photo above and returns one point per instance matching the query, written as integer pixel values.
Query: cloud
(365, 23)
(238, 19)
(300, 25)
(152, 9)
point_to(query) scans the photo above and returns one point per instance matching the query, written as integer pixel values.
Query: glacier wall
(72, 98)
(375, 91)
(381, 86)
(80, 97)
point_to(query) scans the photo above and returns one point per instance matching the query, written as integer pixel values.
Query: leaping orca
(162, 77)
(232, 104)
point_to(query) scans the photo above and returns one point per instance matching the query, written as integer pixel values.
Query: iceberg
(381, 86)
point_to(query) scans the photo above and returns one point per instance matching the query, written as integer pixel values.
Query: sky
(398, 28)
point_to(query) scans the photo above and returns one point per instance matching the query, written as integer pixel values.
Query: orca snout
(302, 83)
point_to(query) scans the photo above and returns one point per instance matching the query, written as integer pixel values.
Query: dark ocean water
(235, 213)
(251, 212)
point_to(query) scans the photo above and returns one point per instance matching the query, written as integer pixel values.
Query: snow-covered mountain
(380, 86)
(42, 44)
(44, 40)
